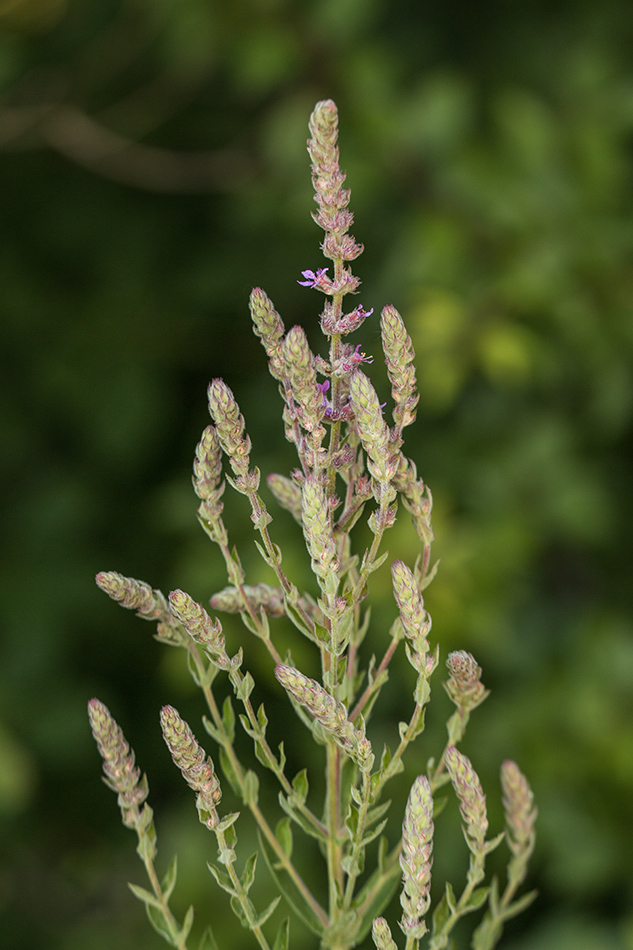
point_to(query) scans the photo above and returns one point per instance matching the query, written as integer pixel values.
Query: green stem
(241, 894)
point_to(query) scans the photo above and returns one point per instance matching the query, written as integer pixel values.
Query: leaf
(476, 899)
(229, 772)
(248, 875)
(208, 941)
(156, 918)
(187, 924)
(169, 881)
(440, 915)
(283, 935)
(213, 731)
(144, 895)
(221, 877)
(228, 718)
(245, 687)
(290, 892)
(300, 787)
(283, 833)
(262, 719)
(377, 892)
(266, 913)
(250, 790)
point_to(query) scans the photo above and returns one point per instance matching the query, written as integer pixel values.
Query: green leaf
(476, 899)
(187, 924)
(266, 913)
(283, 935)
(169, 881)
(248, 875)
(228, 718)
(213, 731)
(230, 773)
(300, 787)
(376, 893)
(262, 719)
(283, 833)
(245, 687)
(208, 941)
(290, 892)
(156, 918)
(250, 790)
(441, 915)
(144, 895)
(221, 877)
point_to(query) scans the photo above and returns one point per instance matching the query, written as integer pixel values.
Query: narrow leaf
(157, 920)
(144, 895)
(288, 889)
(283, 935)
(266, 913)
(169, 881)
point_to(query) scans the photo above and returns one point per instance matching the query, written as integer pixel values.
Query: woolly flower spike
(316, 528)
(328, 179)
(471, 798)
(269, 327)
(415, 858)
(121, 775)
(372, 428)
(328, 711)
(415, 620)
(381, 935)
(135, 595)
(301, 373)
(399, 356)
(287, 492)
(230, 424)
(198, 623)
(207, 476)
(519, 808)
(464, 686)
(193, 762)
(260, 596)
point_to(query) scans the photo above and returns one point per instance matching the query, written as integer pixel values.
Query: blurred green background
(153, 164)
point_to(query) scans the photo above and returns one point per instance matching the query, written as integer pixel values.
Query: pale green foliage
(351, 465)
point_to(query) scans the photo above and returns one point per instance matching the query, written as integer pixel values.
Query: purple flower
(312, 279)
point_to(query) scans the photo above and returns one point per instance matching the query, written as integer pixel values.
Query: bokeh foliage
(154, 170)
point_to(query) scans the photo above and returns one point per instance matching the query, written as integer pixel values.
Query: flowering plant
(351, 462)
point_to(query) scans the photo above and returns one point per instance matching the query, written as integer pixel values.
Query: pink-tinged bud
(464, 686)
(399, 357)
(519, 808)
(193, 762)
(121, 775)
(416, 622)
(269, 327)
(329, 712)
(381, 935)
(229, 423)
(134, 595)
(197, 622)
(372, 428)
(471, 798)
(416, 858)
(317, 528)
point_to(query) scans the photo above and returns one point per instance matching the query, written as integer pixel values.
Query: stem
(262, 823)
(241, 894)
(334, 848)
(357, 844)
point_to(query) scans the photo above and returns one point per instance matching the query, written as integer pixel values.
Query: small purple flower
(324, 388)
(312, 279)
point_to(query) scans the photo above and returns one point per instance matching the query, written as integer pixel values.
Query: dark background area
(153, 167)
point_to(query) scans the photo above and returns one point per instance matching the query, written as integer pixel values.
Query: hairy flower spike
(327, 179)
(518, 805)
(121, 775)
(464, 686)
(193, 762)
(135, 595)
(301, 374)
(317, 529)
(287, 493)
(198, 623)
(381, 935)
(269, 327)
(416, 622)
(373, 431)
(399, 356)
(415, 858)
(230, 424)
(260, 596)
(471, 798)
(208, 483)
(328, 711)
